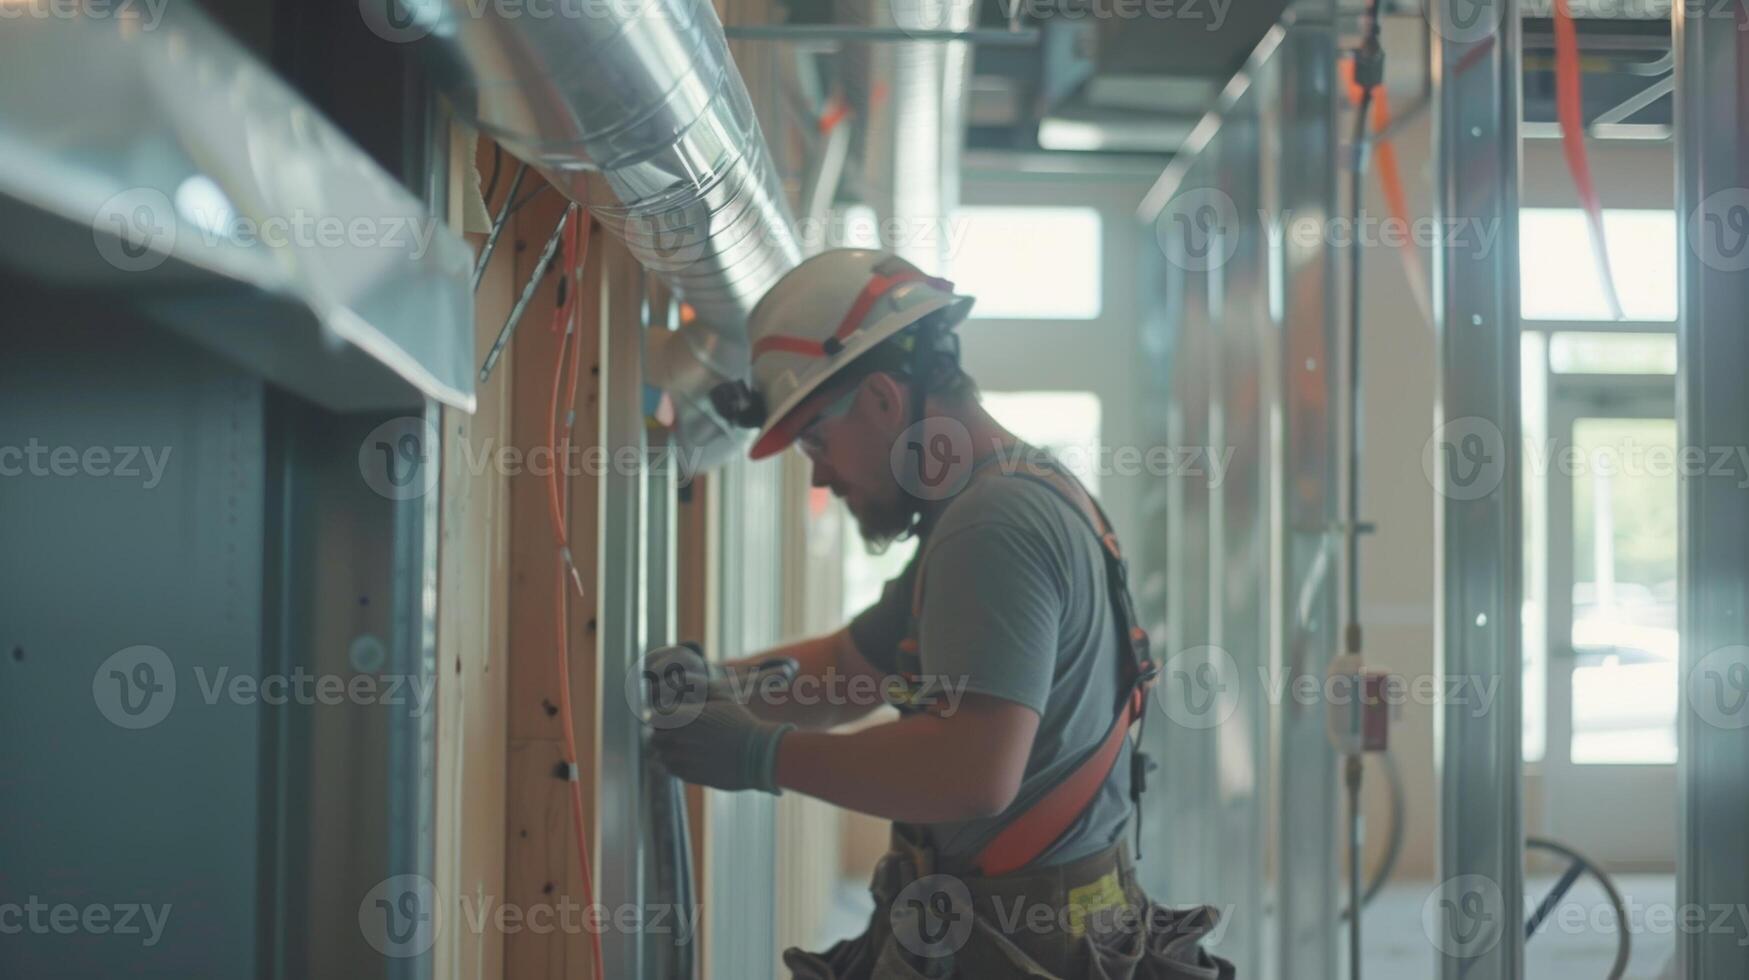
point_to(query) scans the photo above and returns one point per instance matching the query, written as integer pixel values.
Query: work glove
(679, 674)
(721, 744)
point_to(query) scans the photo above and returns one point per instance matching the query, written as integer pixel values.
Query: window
(1065, 423)
(1558, 277)
(1025, 263)
(1573, 352)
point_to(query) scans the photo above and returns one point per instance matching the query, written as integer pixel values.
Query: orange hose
(1391, 182)
(558, 488)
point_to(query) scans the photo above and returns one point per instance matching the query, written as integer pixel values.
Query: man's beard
(882, 524)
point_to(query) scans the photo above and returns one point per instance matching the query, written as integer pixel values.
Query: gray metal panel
(95, 813)
(622, 622)
(1241, 342)
(743, 826)
(170, 160)
(1712, 104)
(1475, 928)
(1306, 809)
(1245, 374)
(349, 577)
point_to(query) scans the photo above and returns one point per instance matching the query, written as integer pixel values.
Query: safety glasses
(809, 437)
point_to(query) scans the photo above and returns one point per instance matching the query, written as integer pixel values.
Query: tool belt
(1083, 920)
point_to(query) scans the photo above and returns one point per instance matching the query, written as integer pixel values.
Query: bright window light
(1065, 423)
(1025, 263)
(1575, 352)
(1558, 278)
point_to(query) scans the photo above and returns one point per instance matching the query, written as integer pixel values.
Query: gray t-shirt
(1015, 605)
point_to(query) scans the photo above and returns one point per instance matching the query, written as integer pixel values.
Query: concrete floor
(1577, 943)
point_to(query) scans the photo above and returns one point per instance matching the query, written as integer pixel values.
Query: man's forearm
(913, 770)
(826, 691)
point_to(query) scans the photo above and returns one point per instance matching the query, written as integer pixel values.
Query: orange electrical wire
(1569, 108)
(558, 488)
(1391, 182)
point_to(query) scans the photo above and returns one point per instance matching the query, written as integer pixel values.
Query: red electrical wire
(1569, 106)
(558, 489)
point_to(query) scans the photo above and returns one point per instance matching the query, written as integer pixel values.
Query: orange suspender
(1031, 832)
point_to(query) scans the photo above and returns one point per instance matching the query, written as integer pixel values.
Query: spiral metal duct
(910, 97)
(645, 93)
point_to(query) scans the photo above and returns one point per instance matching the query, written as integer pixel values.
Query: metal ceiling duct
(645, 93)
(911, 98)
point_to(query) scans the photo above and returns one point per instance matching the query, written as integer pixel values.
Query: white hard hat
(817, 320)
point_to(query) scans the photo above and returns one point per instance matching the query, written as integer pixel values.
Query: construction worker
(1009, 646)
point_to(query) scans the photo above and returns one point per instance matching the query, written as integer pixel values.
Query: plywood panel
(473, 643)
(542, 876)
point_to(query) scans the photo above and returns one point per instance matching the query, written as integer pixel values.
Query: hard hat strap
(878, 286)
